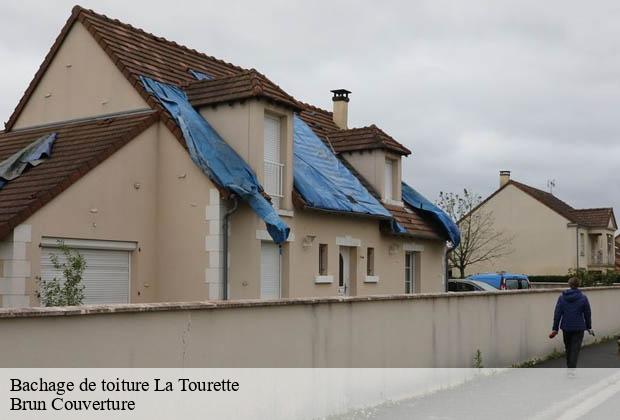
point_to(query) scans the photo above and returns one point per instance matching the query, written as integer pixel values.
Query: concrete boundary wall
(438, 330)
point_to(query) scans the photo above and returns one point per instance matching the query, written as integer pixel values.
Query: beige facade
(80, 82)
(543, 242)
(150, 195)
(371, 165)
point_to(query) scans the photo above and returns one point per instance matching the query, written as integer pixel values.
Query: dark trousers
(572, 343)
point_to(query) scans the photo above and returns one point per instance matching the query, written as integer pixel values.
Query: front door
(269, 270)
(344, 271)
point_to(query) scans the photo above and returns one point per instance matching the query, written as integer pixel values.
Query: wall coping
(38, 312)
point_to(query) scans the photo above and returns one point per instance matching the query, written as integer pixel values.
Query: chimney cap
(504, 173)
(340, 95)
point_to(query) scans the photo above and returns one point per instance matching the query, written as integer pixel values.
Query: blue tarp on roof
(33, 154)
(418, 201)
(200, 75)
(324, 182)
(215, 157)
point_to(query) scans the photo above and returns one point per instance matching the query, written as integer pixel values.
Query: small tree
(480, 241)
(68, 291)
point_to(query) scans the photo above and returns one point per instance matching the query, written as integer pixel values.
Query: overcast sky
(471, 87)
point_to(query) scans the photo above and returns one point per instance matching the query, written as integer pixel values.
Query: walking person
(573, 316)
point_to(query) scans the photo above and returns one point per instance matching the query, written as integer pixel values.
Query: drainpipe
(225, 256)
(447, 268)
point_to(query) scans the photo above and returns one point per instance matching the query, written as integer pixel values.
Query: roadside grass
(555, 354)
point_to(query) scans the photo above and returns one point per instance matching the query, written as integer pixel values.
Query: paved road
(596, 356)
(538, 394)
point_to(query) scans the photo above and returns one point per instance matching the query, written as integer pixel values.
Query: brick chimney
(341, 107)
(504, 178)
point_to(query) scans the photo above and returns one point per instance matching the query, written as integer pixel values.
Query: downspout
(447, 268)
(225, 246)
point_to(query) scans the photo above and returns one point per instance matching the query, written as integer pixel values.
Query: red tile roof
(364, 138)
(593, 217)
(80, 147)
(598, 217)
(320, 120)
(248, 84)
(136, 52)
(416, 224)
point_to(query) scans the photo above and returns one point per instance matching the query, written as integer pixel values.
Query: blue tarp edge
(418, 201)
(31, 155)
(215, 157)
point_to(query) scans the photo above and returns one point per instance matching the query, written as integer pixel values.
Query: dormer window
(273, 169)
(389, 188)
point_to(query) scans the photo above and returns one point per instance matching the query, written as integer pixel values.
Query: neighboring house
(549, 237)
(121, 185)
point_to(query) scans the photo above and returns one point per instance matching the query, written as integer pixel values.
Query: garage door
(106, 278)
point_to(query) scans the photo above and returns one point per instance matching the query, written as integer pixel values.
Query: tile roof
(547, 199)
(364, 138)
(80, 146)
(593, 217)
(237, 87)
(135, 52)
(416, 224)
(598, 217)
(320, 120)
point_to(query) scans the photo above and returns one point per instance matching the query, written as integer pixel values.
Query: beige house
(121, 188)
(549, 237)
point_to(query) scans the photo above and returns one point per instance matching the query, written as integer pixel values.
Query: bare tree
(480, 241)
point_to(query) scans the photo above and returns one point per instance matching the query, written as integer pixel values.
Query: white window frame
(411, 269)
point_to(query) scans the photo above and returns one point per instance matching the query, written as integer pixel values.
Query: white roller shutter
(273, 166)
(389, 180)
(106, 278)
(269, 270)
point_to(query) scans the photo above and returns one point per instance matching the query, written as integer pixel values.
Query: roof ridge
(314, 107)
(77, 9)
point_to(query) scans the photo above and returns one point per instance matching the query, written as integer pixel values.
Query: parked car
(466, 285)
(503, 280)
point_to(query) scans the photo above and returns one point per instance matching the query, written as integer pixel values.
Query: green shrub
(588, 278)
(69, 290)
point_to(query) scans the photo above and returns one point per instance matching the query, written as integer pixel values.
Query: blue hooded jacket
(572, 312)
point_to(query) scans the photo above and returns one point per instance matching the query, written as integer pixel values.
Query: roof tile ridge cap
(158, 38)
(266, 80)
(256, 82)
(314, 107)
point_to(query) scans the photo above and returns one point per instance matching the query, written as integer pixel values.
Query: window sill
(371, 279)
(323, 279)
(286, 213)
(393, 202)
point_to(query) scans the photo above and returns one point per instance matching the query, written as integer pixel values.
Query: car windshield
(484, 286)
(512, 284)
